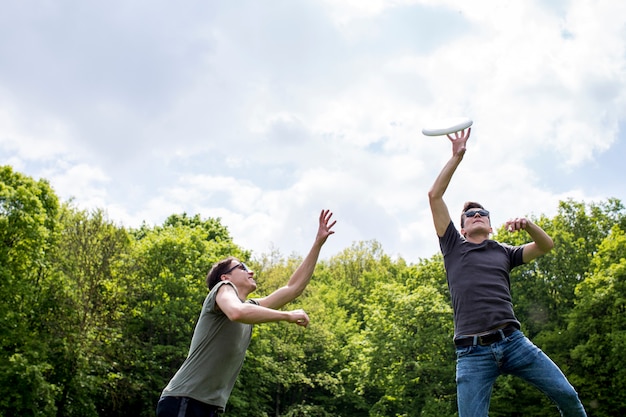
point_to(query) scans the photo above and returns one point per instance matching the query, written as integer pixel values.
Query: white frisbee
(447, 126)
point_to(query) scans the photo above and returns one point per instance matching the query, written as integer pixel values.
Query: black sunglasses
(241, 266)
(472, 213)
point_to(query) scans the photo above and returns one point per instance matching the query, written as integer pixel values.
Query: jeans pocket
(516, 335)
(463, 351)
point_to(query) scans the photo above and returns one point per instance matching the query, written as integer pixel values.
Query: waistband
(486, 339)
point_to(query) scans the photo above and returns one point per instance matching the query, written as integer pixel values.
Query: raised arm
(249, 313)
(438, 207)
(300, 279)
(542, 243)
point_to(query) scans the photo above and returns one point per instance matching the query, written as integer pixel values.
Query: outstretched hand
(459, 140)
(325, 226)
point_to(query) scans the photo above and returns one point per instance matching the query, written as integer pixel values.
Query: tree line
(95, 318)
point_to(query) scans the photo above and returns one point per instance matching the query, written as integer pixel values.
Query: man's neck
(477, 238)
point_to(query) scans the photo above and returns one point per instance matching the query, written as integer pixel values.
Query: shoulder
(220, 289)
(451, 237)
(451, 233)
(507, 247)
(223, 284)
(515, 253)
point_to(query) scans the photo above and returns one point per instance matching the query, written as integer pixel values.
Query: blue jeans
(478, 367)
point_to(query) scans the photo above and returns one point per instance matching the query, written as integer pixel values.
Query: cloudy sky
(262, 113)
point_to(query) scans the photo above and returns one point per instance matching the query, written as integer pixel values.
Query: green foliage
(544, 290)
(598, 324)
(95, 318)
(30, 394)
(89, 247)
(28, 218)
(408, 352)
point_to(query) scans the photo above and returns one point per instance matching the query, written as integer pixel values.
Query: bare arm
(228, 301)
(300, 279)
(438, 207)
(542, 243)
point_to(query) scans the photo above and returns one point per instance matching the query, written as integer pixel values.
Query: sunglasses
(241, 266)
(473, 212)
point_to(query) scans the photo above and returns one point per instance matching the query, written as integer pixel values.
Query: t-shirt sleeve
(449, 239)
(211, 300)
(515, 254)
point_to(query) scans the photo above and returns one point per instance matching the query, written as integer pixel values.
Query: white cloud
(262, 115)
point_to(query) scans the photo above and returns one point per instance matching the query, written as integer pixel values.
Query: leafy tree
(543, 291)
(598, 327)
(408, 351)
(87, 323)
(95, 318)
(28, 220)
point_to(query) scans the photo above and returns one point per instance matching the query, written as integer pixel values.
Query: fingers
(300, 318)
(459, 139)
(460, 135)
(325, 217)
(519, 223)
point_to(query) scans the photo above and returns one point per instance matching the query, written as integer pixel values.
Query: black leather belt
(485, 339)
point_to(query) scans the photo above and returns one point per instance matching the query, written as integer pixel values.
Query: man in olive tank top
(203, 383)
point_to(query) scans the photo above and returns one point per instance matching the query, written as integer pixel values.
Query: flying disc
(447, 126)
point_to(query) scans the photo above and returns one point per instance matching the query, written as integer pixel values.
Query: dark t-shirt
(479, 283)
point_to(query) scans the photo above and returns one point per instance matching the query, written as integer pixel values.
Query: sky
(263, 113)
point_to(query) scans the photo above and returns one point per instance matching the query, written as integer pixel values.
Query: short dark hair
(469, 205)
(217, 270)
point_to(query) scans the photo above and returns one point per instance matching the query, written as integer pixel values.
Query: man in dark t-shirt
(487, 334)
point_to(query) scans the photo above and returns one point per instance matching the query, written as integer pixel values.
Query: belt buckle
(489, 338)
(481, 342)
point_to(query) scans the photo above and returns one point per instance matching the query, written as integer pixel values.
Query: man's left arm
(542, 243)
(300, 279)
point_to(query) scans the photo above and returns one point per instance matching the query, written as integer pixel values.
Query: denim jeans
(478, 367)
(184, 407)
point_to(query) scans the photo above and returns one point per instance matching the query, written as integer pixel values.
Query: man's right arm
(438, 207)
(236, 310)
(301, 277)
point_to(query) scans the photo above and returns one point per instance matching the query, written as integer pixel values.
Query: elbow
(546, 246)
(233, 316)
(432, 196)
(295, 293)
(236, 315)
